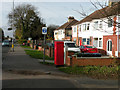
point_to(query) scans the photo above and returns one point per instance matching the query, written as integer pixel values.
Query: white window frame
(94, 42)
(84, 27)
(86, 41)
(100, 24)
(110, 21)
(88, 25)
(80, 28)
(56, 33)
(98, 42)
(75, 30)
(96, 25)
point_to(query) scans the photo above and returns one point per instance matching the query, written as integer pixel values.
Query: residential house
(101, 30)
(64, 32)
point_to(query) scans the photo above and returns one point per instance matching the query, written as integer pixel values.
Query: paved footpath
(18, 60)
(21, 67)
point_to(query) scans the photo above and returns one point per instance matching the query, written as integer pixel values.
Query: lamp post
(13, 30)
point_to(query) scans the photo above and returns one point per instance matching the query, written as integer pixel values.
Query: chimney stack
(70, 18)
(111, 3)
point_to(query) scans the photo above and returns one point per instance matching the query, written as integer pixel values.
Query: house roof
(68, 25)
(102, 13)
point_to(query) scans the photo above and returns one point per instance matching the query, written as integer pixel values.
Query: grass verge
(37, 54)
(98, 72)
(48, 63)
(25, 46)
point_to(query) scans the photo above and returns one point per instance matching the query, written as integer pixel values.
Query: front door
(109, 47)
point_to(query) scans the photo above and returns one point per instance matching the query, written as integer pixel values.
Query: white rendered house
(64, 32)
(101, 30)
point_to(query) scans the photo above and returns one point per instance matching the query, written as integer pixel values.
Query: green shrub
(22, 41)
(25, 46)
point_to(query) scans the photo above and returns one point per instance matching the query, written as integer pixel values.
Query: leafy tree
(50, 31)
(25, 19)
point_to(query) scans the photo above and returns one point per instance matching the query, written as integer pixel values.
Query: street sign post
(44, 31)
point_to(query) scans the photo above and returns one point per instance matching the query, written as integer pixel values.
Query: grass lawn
(103, 72)
(25, 46)
(37, 54)
(48, 63)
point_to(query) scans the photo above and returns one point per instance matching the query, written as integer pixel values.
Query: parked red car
(88, 49)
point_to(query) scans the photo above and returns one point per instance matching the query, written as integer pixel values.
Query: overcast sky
(52, 11)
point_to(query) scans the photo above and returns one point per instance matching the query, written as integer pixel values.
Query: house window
(55, 33)
(80, 28)
(86, 41)
(100, 42)
(88, 26)
(84, 27)
(100, 25)
(59, 32)
(68, 33)
(74, 29)
(97, 42)
(110, 22)
(96, 25)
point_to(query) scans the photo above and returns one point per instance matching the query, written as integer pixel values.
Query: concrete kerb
(49, 61)
(36, 72)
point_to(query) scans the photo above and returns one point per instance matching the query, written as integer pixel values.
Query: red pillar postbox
(59, 53)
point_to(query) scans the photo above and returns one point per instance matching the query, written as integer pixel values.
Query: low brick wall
(68, 61)
(73, 60)
(34, 47)
(48, 52)
(52, 52)
(119, 54)
(31, 45)
(40, 48)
